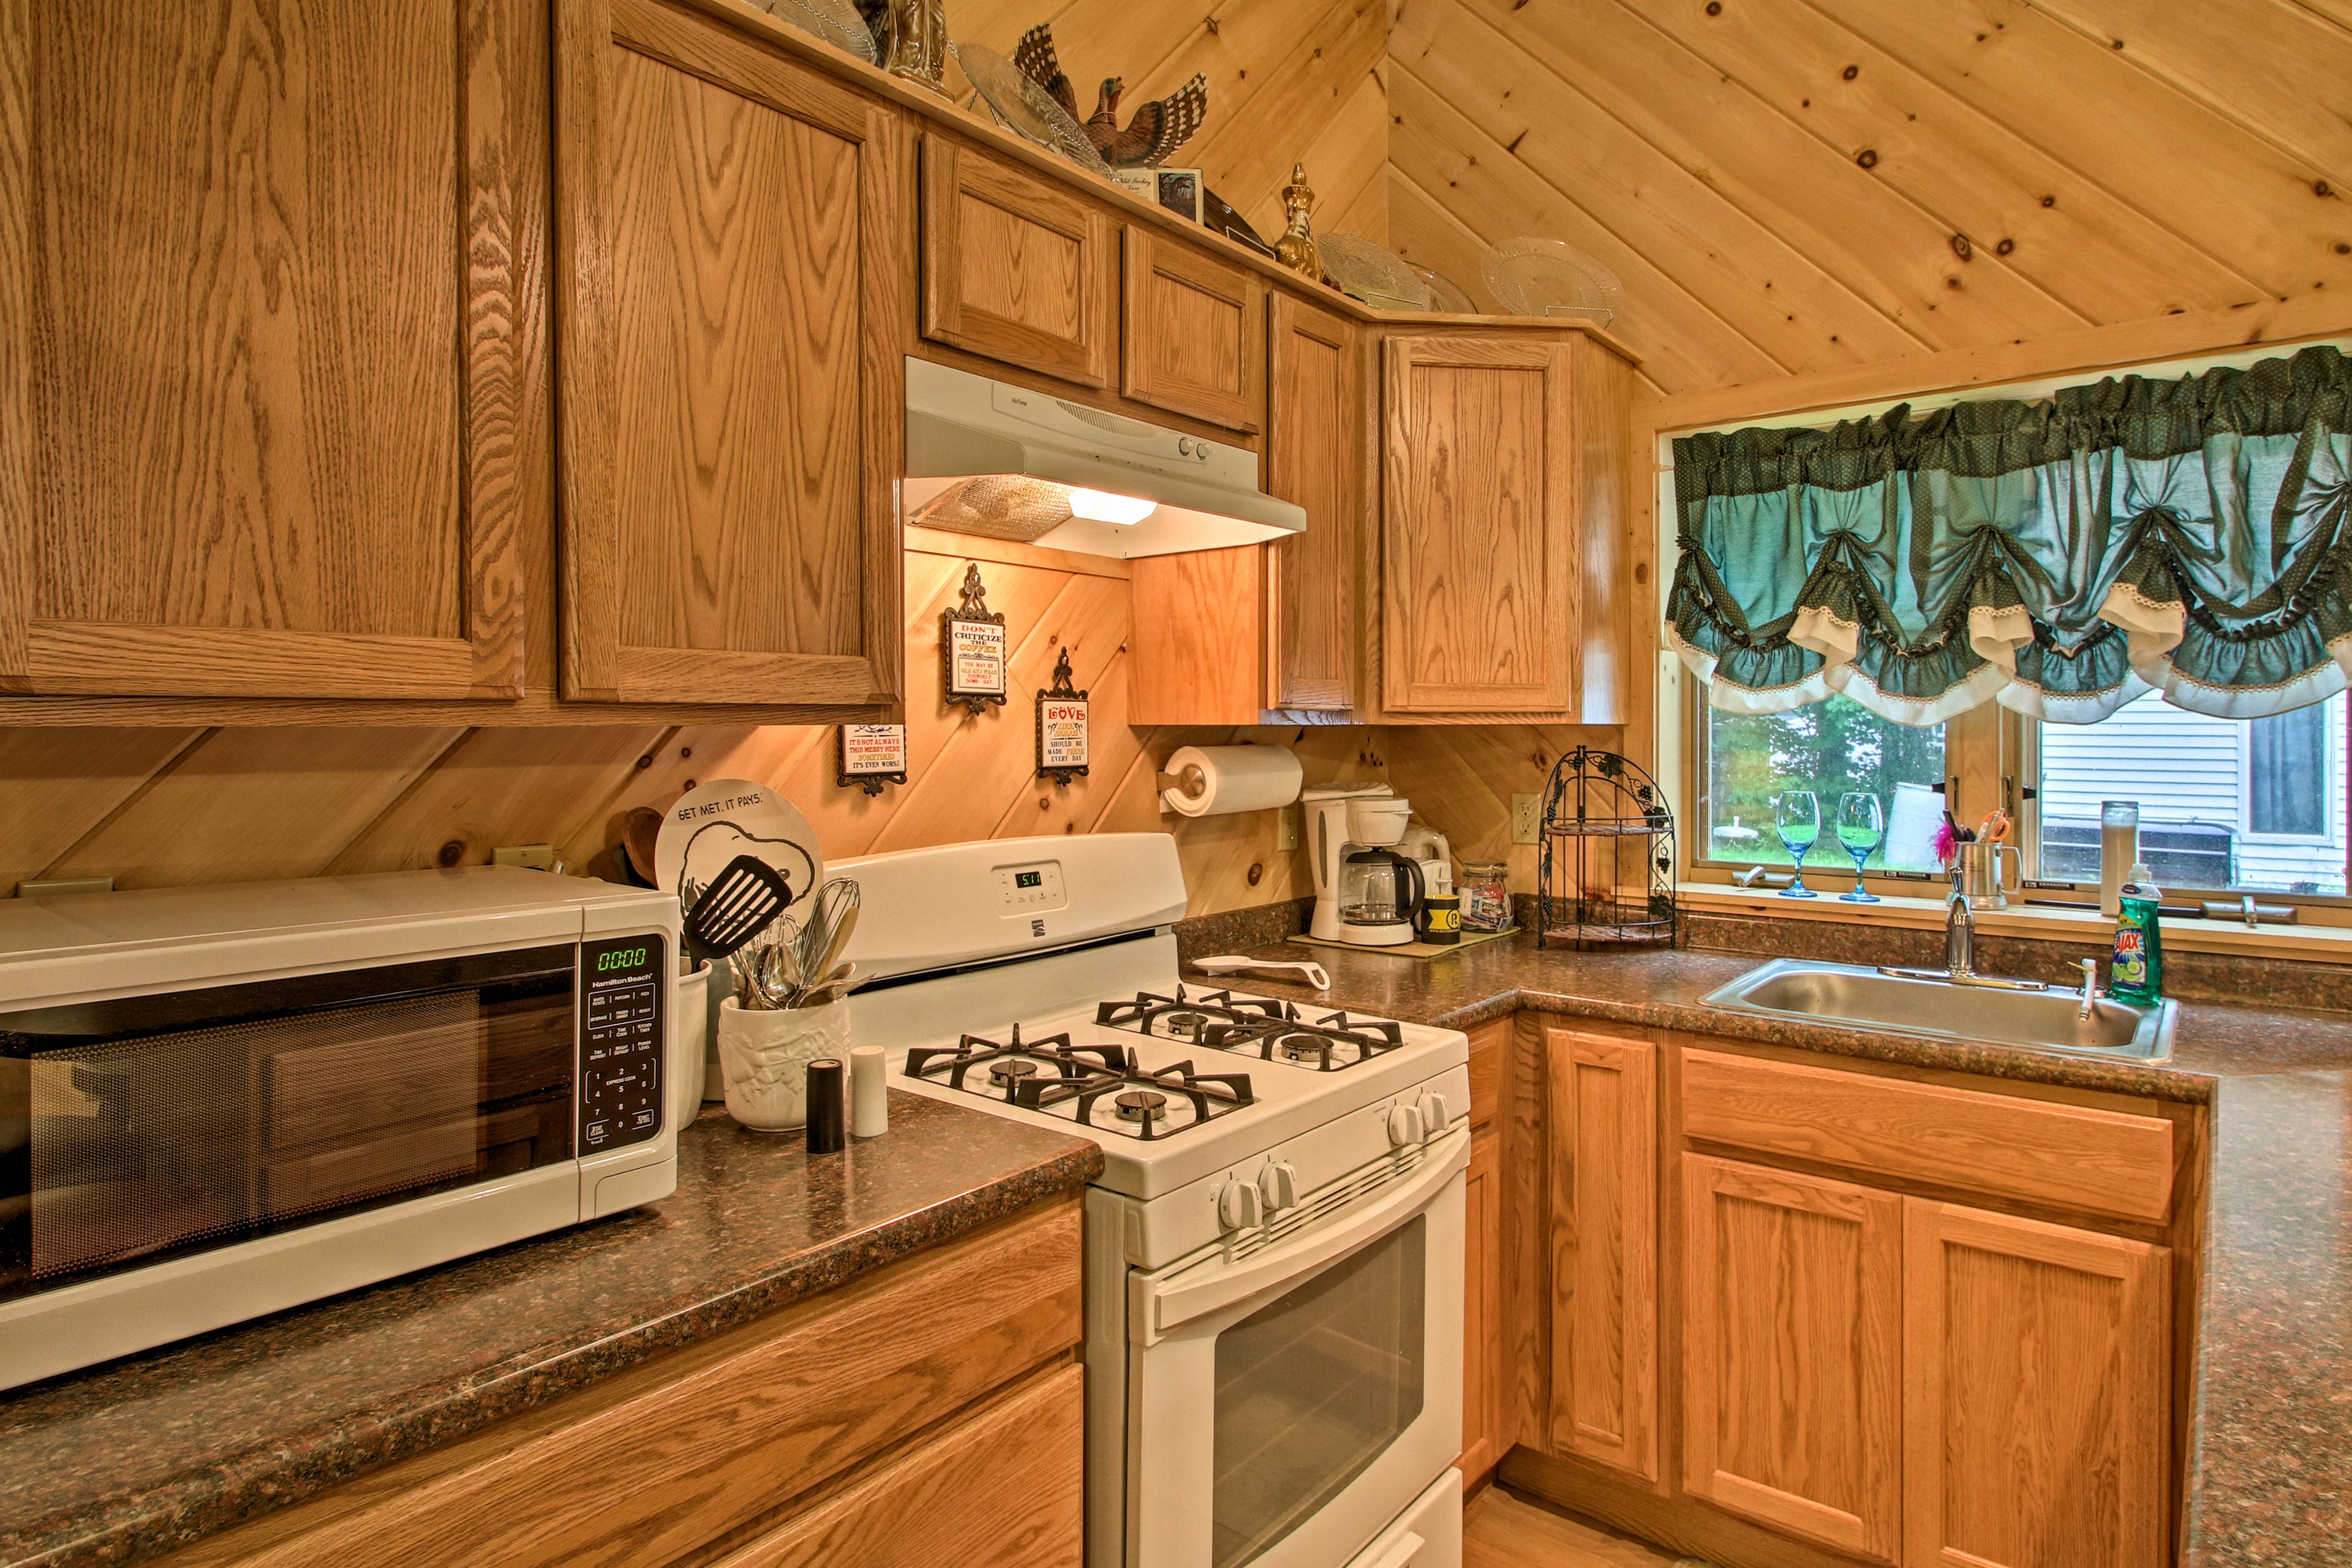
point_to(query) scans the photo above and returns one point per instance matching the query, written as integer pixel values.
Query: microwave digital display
(620, 958)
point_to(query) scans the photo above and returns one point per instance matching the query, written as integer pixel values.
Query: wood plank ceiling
(1794, 185)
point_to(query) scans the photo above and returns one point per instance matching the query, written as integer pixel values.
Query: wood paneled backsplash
(159, 807)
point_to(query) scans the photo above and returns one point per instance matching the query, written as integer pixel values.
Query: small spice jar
(1485, 895)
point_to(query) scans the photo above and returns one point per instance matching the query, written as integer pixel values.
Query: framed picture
(1177, 190)
(872, 755)
(1064, 744)
(971, 648)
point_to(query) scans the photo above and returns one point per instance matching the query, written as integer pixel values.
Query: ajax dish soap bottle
(2139, 972)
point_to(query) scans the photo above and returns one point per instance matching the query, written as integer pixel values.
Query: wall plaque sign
(971, 646)
(872, 755)
(1063, 744)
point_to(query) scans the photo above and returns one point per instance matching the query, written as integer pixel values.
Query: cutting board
(1410, 949)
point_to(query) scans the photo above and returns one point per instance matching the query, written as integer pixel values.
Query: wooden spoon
(639, 829)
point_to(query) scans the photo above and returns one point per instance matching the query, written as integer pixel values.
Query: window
(1829, 748)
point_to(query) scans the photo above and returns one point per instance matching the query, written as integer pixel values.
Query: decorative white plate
(715, 822)
(1025, 109)
(1450, 296)
(1373, 273)
(1532, 277)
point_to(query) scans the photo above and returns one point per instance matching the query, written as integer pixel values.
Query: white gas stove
(1275, 1246)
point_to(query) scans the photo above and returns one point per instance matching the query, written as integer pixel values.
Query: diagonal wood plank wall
(1788, 186)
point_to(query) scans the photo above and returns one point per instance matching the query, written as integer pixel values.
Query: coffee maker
(1365, 891)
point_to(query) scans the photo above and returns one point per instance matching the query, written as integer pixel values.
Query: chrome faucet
(1960, 935)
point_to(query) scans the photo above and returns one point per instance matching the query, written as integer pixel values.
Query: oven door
(1287, 1399)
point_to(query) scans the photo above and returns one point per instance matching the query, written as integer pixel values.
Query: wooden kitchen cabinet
(1791, 1383)
(1602, 1114)
(2036, 1391)
(1015, 267)
(1481, 572)
(265, 316)
(1313, 458)
(1484, 1378)
(733, 247)
(1194, 333)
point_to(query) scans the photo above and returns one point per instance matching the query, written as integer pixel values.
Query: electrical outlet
(1527, 818)
(534, 856)
(1286, 828)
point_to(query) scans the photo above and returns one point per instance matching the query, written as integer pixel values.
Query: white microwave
(218, 1102)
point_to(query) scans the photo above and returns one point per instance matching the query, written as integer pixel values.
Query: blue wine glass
(1861, 828)
(1797, 817)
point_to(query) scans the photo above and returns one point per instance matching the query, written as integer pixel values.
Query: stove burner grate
(1012, 1065)
(1143, 1100)
(1186, 1015)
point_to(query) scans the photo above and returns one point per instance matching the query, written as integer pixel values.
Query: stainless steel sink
(2048, 1019)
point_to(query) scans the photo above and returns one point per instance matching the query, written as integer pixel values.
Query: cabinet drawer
(1195, 339)
(2071, 1156)
(922, 1508)
(1015, 267)
(665, 1458)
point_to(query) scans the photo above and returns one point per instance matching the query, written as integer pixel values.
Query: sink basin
(1854, 997)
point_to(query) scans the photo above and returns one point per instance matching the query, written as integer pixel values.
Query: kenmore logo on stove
(1037, 928)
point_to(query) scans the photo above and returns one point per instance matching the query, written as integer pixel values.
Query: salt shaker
(869, 1093)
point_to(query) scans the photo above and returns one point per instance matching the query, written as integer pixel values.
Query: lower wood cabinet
(1791, 1379)
(2036, 1383)
(1483, 1380)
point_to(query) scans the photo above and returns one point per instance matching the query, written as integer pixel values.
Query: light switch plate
(1526, 817)
(1286, 828)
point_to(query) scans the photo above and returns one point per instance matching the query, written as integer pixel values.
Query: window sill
(2307, 943)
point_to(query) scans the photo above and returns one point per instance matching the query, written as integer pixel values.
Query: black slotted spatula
(740, 903)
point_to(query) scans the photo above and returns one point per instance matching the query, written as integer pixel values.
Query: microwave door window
(1314, 1387)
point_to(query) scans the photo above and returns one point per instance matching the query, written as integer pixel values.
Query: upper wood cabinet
(2036, 1394)
(259, 293)
(1314, 458)
(1791, 1376)
(733, 250)
(1017, 267)
(1195, 333)
(1480, 565)
(1603, 1114)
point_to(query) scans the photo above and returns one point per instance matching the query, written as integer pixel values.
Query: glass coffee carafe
(1382, 890)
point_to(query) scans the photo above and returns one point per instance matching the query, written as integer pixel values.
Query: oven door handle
(1217, 1288)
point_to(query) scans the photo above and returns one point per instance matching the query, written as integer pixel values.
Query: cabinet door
(1015, 266)
(1195, 337)
(1602, 1133)
(1792, 1328)
(259, 285)
(2036, 1376)
(731, 225)
(1480, 580)
(1482, 1310)
(1314, 398)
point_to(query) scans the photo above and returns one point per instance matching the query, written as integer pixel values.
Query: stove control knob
(1434, 1117)
(1278, 1185)
(1238, 1205)
(1404, 1127)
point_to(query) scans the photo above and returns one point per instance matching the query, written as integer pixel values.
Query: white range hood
(988, 458)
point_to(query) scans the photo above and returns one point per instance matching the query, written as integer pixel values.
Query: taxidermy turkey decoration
(1149, 138)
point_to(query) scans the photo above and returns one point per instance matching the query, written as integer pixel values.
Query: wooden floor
(1499, 1530)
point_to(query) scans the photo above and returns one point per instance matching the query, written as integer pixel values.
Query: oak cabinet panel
(1604, 1217)
(2036, 1377)
(260, 287)
(1791, 1350)
(1015, 267)
(1482, 1374)
(1313, 458)
(1480, 574)
(732, 222)
(1194, 337)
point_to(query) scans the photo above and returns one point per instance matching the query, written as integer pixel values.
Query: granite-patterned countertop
(2270, 1462)
(137, 1458)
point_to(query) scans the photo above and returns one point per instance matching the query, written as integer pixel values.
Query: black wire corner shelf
(1605, 863)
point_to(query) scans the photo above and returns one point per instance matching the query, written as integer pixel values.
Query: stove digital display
(1028, 879)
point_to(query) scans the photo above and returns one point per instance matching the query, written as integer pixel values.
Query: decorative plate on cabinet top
(835, 21)
(1449, 296)
(1021, 106)
(1532, 277)
(1377, 276)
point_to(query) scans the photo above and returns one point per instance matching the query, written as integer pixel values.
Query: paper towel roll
(1233, 778)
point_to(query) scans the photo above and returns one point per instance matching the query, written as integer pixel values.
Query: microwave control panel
(621, 1068)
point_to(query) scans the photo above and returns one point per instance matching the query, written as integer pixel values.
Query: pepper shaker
(825, 1135)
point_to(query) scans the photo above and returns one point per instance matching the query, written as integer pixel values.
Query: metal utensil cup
(1976, 872)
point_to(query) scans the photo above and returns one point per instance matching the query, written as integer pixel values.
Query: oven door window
(148, 1128)
(1312, 1388)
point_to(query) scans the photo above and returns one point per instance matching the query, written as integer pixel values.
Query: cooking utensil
(745, 897)
(640, 831)
(1023, 107)
(1536, 276)
(1234, 964)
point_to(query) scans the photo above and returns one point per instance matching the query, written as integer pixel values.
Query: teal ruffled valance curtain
(2059, 557)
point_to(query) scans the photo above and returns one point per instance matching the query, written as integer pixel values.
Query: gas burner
(1328, 1043)
(1147, 1105)
(1013, 1066)
(1187, 1015)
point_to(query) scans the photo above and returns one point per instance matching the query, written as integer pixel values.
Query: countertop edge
(295, 1467)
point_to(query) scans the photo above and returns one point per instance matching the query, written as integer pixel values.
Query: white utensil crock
(765, 1057)
(685, 1058)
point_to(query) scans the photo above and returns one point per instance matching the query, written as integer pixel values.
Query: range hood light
(1101, 506)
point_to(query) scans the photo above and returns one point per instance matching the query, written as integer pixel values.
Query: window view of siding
(2254, 804)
